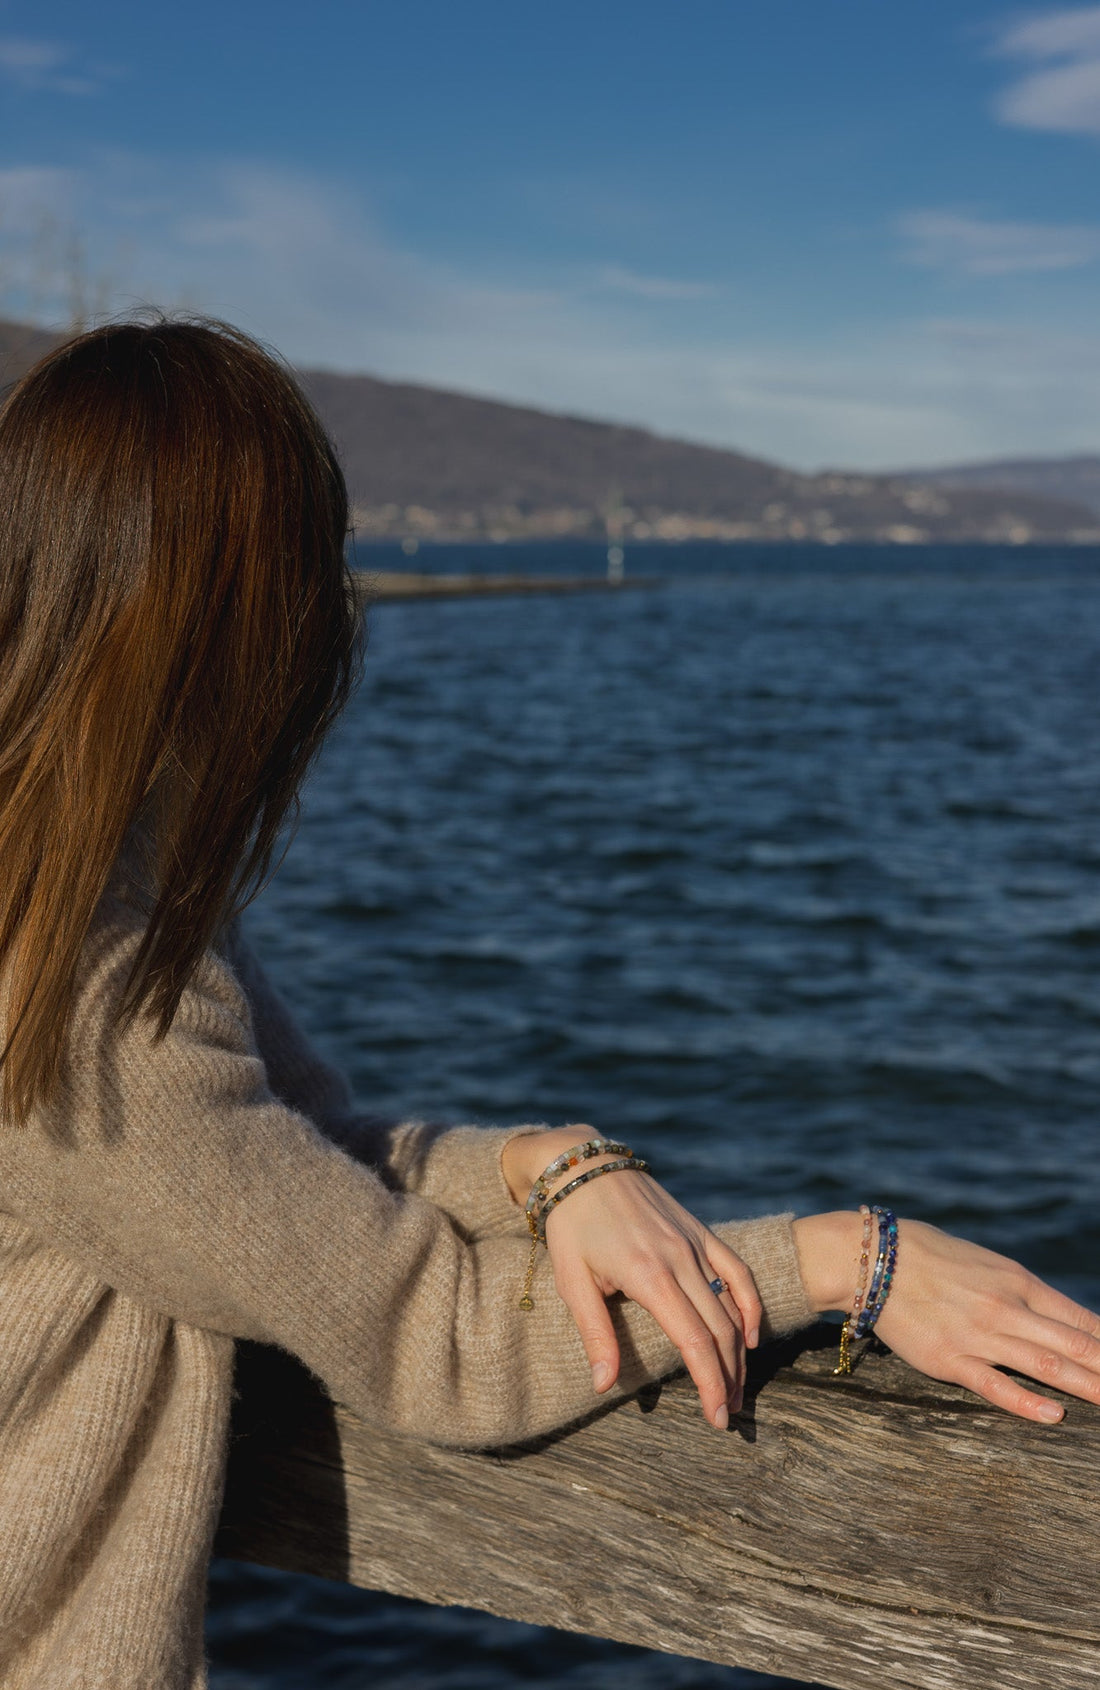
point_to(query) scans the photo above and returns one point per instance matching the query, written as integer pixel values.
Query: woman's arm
(956, 1311)
(959, 1312)
(456, 1168)
(170, 1170)
(649, 1248)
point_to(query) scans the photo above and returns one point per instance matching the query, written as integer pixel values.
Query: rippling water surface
(786, 871)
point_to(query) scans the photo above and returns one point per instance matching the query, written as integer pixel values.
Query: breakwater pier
(382, 586)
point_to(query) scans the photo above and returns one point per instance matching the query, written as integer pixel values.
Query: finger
(586, 1304)
(1044, 1300)
(737, 1274)
(1006, 1393)
(1077, 1343)
(680, 1320)
(723, 1320)
(1050, 1365)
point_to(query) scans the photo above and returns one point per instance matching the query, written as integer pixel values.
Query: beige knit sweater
(185, 1193)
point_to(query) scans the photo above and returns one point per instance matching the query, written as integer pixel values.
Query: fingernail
(753, 1338)
(1050, 1411)
(601, 1375)
(736, 1400)
(722, 1418)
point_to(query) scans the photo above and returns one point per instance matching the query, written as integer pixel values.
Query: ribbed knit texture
(218, 1184)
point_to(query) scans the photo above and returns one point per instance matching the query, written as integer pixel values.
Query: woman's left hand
(961, 1313)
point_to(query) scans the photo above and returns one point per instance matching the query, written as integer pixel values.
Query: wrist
(526, 1155)
(828, 1249)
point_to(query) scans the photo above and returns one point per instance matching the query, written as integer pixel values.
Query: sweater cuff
(460, 1171)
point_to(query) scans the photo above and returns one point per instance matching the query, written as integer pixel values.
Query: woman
(179, 1168)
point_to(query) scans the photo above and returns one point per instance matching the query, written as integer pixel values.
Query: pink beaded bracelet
(870, 1300)
(844, 1365)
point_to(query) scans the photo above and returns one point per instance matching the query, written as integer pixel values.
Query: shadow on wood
(847, 1531)
(285, 1497)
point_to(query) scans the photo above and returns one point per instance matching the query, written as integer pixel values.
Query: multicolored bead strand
(844, 1365)
(625, 1162)
(866, 1310)
(569, 1159)
(883, 1276)
(541, 1202)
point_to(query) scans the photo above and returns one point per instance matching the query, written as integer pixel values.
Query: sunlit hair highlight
(178, 629)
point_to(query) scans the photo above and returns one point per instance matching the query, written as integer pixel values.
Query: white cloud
(35, 217)
(50, 67)
(616, 279)
(27, 61)
(29, 193)
(1053, 35)
(974, 246)
(306, 256)
(1064, 96)
(303, 263)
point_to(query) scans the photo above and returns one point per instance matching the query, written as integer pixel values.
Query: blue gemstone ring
(717, 1286)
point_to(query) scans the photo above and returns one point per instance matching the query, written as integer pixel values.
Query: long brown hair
(178, 629)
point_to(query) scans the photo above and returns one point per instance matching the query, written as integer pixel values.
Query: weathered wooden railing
(875, 1530)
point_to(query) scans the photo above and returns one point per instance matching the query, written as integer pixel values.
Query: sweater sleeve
(456, 1168)
(171, 1170)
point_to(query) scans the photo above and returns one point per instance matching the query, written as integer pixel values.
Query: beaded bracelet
(844, 1365)
(864, 1259)
(569, 1159)
(883, 1275)
(536, 1216)
(583, 1179)
(860, 1323)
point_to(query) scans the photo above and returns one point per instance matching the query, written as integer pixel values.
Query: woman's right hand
(628, 1234)
(960, 1313)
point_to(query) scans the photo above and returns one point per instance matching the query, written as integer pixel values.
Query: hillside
(1076, 479)
(20, 346)
(426, 463)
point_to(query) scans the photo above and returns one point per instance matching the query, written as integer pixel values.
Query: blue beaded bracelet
(882, 1276)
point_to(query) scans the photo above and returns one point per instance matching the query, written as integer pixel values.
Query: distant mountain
(1076, 479)
(425, 463)
(20, 347)
(429, 463)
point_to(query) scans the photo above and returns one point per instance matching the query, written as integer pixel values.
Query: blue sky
(829, 232)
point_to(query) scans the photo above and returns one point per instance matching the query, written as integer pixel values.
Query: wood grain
(881, 1528)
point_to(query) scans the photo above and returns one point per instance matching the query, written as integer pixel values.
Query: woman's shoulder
(215, 1001)
(229, 1009)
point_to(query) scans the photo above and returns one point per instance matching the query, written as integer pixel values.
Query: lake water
(787, 871)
